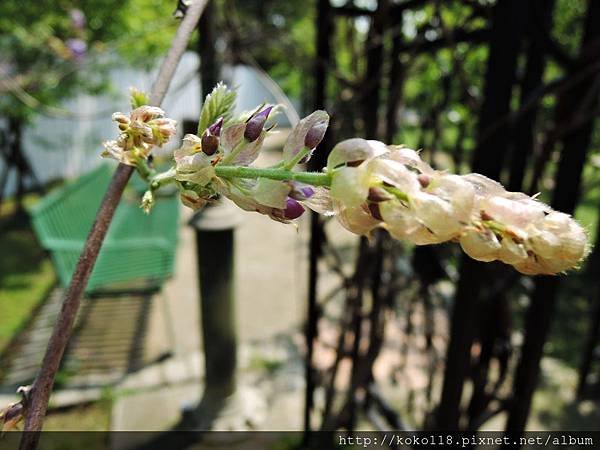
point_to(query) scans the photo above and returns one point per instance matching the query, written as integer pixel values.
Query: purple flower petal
(215, 128)
(301, 192)
(293, 209)
(256, 123)
(77, 18)
(315, 134)
(78, 47)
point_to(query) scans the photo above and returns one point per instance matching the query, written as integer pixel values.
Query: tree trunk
(210, 70)
(396, 82)
(508, 19)
(575, 146)
(540, 11)
(372, 82)
(324, 26)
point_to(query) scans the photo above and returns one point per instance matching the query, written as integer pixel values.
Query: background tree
(52, 53)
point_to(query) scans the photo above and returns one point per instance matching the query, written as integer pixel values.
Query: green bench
(138, 247)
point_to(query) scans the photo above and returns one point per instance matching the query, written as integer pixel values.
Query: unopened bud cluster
(144, 128)
(239, 144)
(374, 185)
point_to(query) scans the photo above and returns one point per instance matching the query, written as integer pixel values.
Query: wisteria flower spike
(367, 185)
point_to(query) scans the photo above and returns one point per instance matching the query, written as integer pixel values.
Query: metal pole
(215, 226)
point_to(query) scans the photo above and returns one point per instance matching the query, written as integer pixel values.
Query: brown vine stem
(36, 402)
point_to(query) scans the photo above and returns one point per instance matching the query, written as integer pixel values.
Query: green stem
(312, 178)
(400, 195)
(162, 179)
(301, 154)
(236, 150)
(144, 169)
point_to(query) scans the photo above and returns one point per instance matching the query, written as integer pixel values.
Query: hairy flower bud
(350, 185)
(120, 118)
(162, 130)
(436, 214)
(255, 124)
(146, 113)
(481, 245)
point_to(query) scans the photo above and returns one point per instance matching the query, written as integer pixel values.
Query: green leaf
(138, 98)
(219, 103)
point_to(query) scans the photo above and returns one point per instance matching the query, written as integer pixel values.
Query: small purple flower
(78, 48)
(77, 18)
(307, 191)
(255, 124)
(301, 192)
(293, 209)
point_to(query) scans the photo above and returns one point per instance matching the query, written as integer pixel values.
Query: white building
(68, 147)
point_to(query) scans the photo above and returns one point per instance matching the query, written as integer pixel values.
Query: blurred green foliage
(52, 50)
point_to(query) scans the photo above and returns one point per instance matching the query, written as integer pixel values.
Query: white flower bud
(457, 191)
(350, 185)
(357, 219)
(535, 265)
(574, 243)
(436, 214)
(482, 245)
(112, 150)
(559, 236)
(191, 145)
(511, 252)
(395, 174)
(409, 158)
(146, 113)
(544, 243)
(399, 220)
(164, 129)
(354, 151)
(484, 186)
(402, 224)
(142, 130)
(557, 222)
(121, 118)
(511, 212)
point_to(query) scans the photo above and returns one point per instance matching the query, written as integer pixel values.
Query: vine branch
(37, 399)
